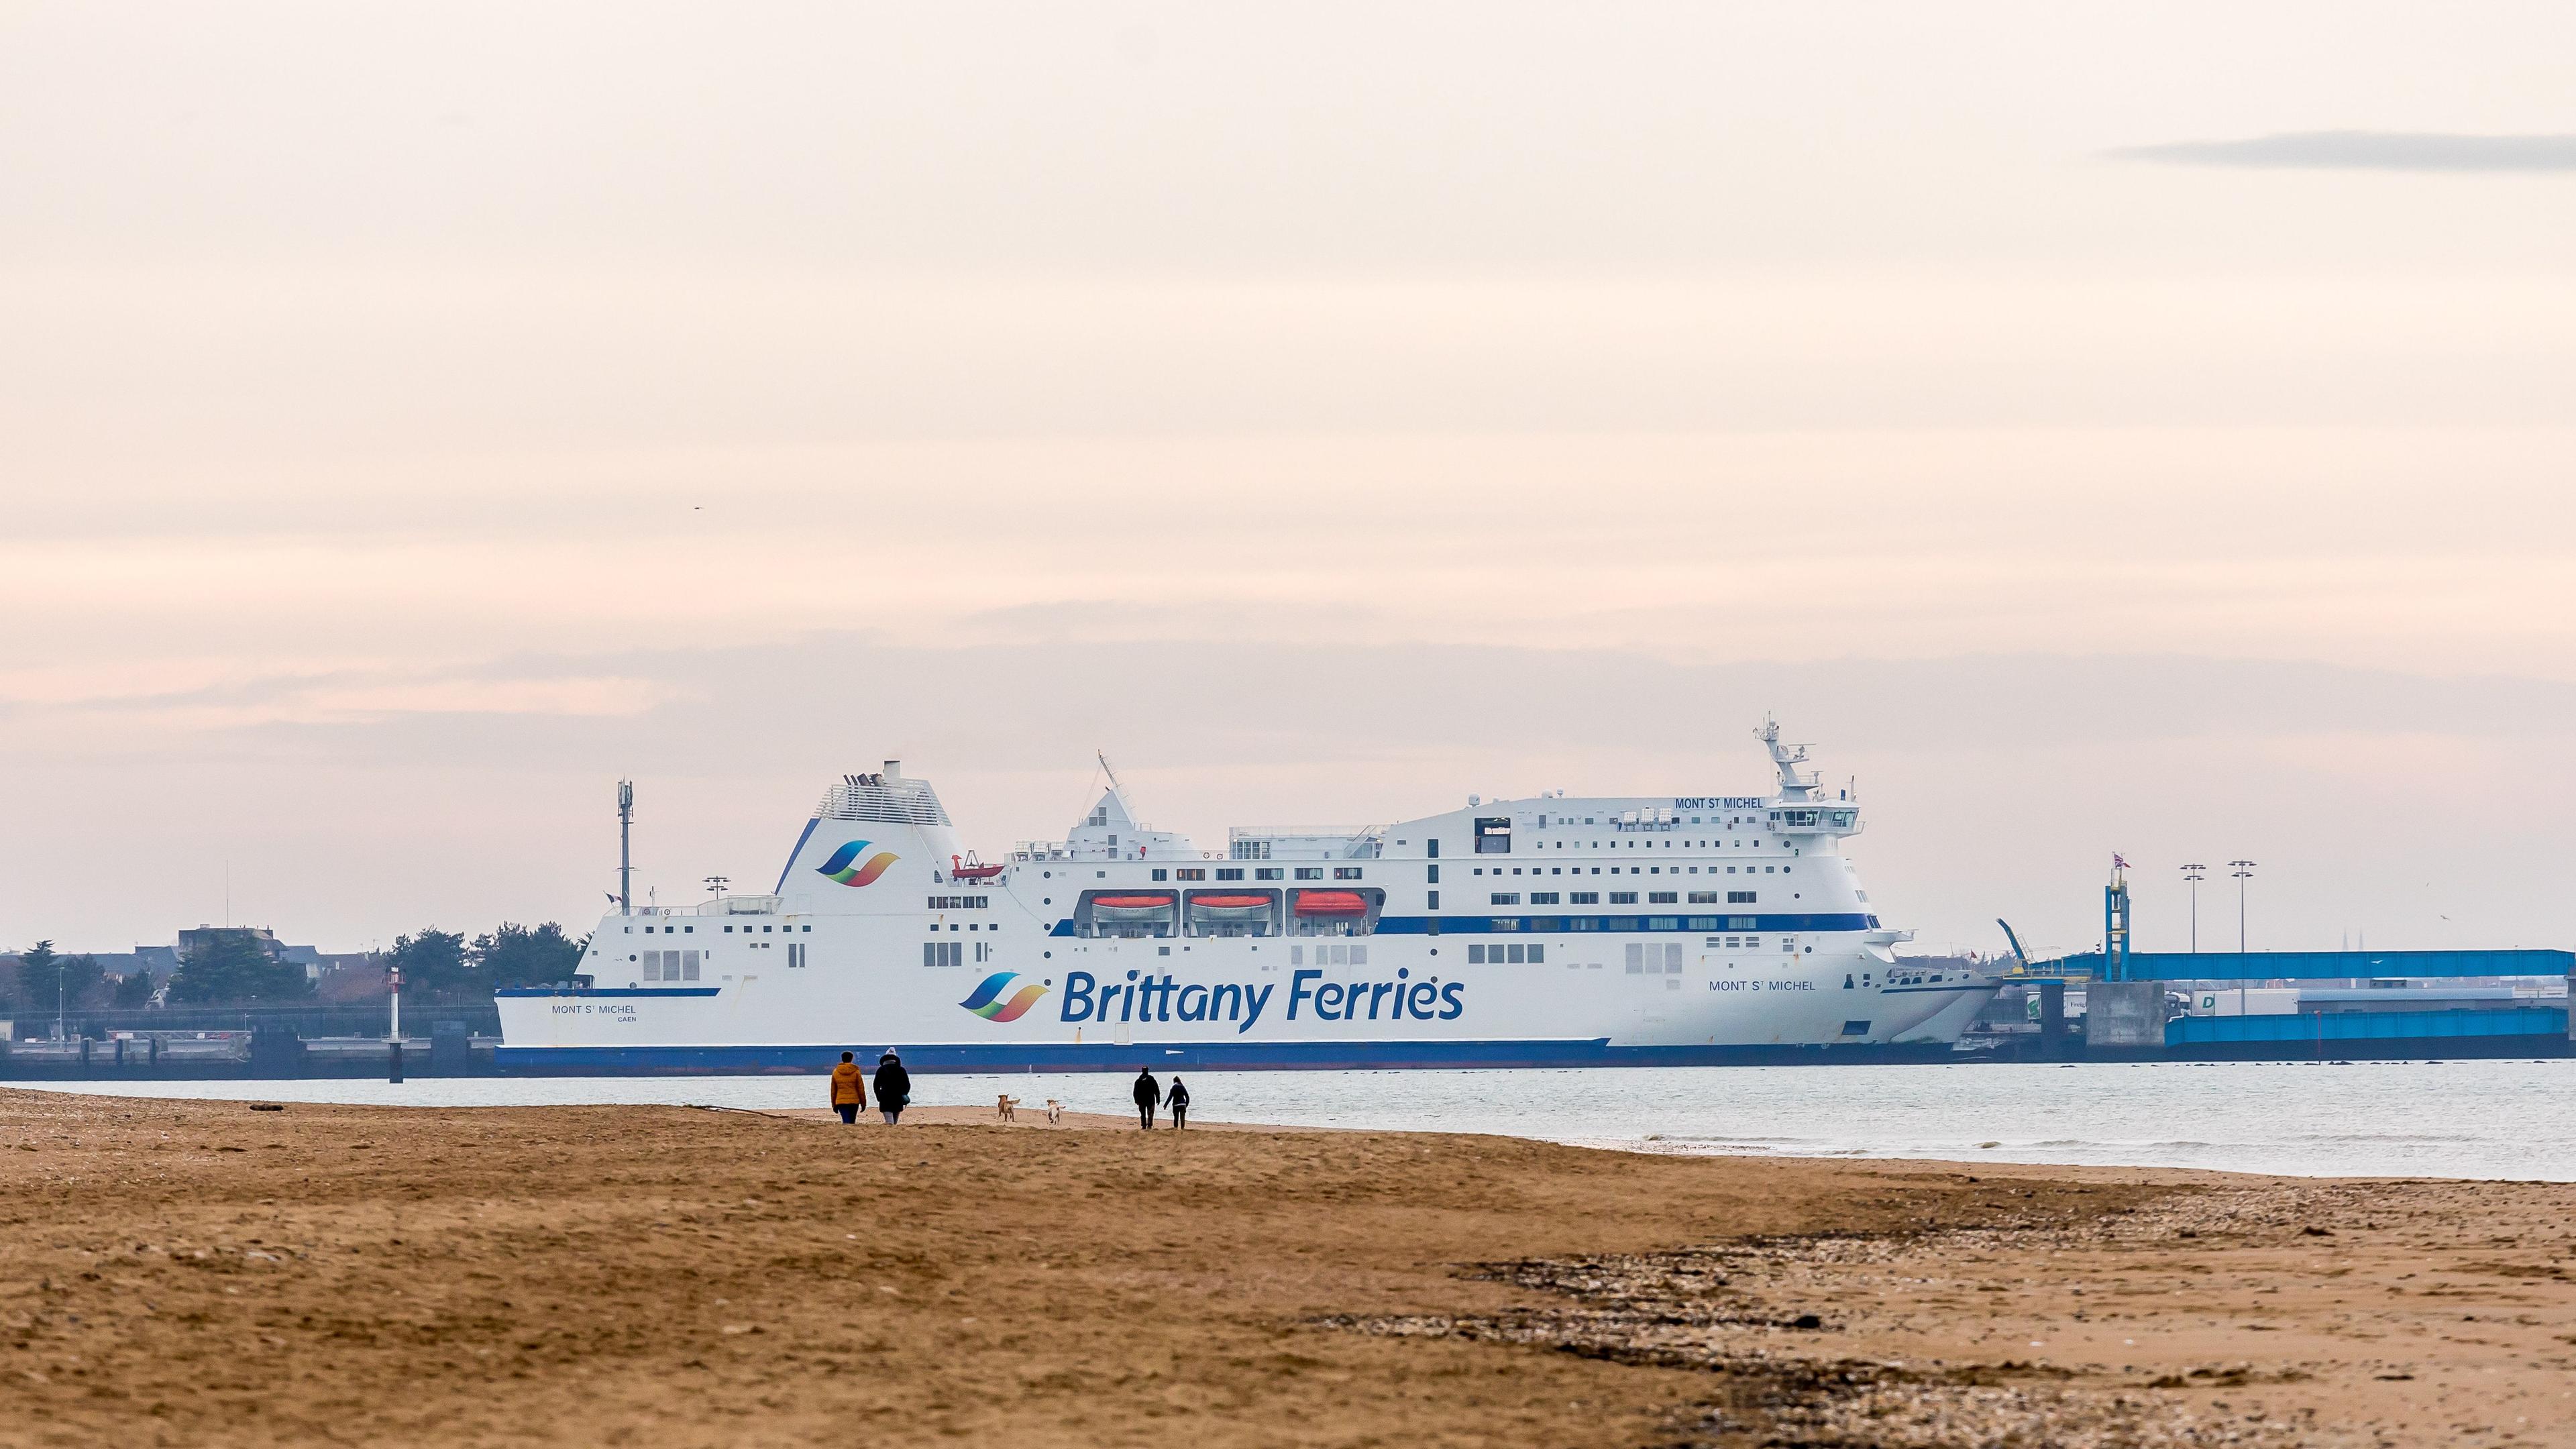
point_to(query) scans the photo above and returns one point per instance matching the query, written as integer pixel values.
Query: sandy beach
(203, 1273)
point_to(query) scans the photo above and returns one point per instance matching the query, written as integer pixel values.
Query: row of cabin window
(692, 930)
(1622, 898)
(1513, 954)
(1353, 955)
(1267, 872)
(1632, 870)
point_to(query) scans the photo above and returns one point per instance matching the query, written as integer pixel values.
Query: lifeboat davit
(1331, 903)
(973, 871)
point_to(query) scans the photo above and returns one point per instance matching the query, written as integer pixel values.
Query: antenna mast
(1103, 757)
(625, 858)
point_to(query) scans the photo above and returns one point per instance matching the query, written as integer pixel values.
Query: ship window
(1636, 959)
(1296, 955)
(1435, 900)
(689, 965)
(1705, 923)
(1623, 898)
(1235, 873)
(1584, 898)
(1519, 956)
(1162, 875)
(1475, 955)
(1660, 898)
(728, 930)
(1265, 872)
(1186, 873)
(1703, 898)
(1543, 898)
(1507, 898)
(1855, 1028)
(1673, 958)
(1310, 872)
(1346, 872)
(1493, 835)
(1431, 845)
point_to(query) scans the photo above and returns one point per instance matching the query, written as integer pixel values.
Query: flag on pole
(2119, 861)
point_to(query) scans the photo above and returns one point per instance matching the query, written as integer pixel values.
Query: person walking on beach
(1178, 1099)
(1149, 1095)
(849, 1089)
(894, 1087)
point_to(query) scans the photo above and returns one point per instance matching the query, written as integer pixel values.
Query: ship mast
(1794, 783)
(625, 858)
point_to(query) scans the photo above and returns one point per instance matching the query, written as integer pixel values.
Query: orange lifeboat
(1131, 903)
(1229, 903)
(978, 871)
(1331, 903)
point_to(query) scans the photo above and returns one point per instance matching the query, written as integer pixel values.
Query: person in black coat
(894, 1087)
(1178, 1099)
(1149, 1095)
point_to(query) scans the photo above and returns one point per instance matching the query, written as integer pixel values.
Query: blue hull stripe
(1683, 920)
(591, 991)
(1195, 1056)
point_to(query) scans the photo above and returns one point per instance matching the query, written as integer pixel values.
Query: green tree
(515, 955)
(47, 978)
(432, 960)
(134, 989)
(81, 980)
(232, 966)
(35, 995)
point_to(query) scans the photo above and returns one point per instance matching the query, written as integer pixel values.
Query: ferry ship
(1549, 931)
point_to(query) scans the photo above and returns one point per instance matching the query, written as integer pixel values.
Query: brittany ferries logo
(840, 869)
(988, 1001)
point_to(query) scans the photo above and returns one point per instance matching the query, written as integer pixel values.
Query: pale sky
(2140, 430)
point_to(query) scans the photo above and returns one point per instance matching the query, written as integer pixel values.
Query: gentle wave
(2487, 1119)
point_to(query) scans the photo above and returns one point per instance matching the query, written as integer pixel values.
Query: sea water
(2492, 1119)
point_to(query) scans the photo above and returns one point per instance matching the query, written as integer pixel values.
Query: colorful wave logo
(987, 1001)
(840, 869)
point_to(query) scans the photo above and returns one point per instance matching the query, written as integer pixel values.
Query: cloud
(2369, 151)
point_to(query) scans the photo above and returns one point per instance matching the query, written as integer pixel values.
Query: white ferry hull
(1545, 932)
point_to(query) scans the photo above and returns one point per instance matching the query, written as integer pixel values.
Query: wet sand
(200, 1273)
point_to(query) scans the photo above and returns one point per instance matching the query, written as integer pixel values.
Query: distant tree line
(45, 978)
(235, 968)
(510, 955)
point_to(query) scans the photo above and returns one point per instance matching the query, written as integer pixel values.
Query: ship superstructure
(1552, 930)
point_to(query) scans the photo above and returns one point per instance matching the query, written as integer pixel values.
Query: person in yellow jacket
(849, 1089)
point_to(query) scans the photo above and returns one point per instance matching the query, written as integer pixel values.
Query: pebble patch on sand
(1761, 1313)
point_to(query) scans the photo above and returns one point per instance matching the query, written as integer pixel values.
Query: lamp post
(2244, 873)
(2192, 873)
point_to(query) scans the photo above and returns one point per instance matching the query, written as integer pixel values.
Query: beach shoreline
(199, 1271)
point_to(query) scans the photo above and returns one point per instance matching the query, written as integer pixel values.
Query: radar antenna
(1794, 783)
